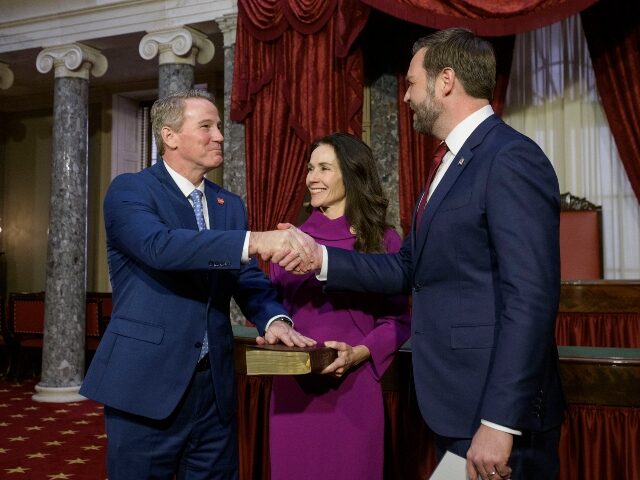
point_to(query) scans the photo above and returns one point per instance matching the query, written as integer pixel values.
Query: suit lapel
(216, 205)
(182, 210)
(458, 164)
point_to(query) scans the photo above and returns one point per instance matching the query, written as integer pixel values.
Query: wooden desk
(602, 386)
(599, 313)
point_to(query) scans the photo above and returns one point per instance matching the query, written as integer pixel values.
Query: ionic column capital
(6, 76)
(72, 60)
(177, 45)
(228, 25)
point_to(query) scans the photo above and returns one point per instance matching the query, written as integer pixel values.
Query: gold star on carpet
(4, 424)
(49, 419)
(81, 461)
(4, 390)
(4, 405)
(17, 415)
(68, 432)
(37, 455)
(100, 435)
(61, 411)
(35, 427)
(93, 414)
(92, 447)
(4, 450)
(31, 408)
(54, 443)
(60, 476)
(75, 404)
(16, 470)
(18, 439)
(81, 422)
(14, 399)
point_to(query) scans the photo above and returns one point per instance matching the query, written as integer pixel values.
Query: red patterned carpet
(47, 441)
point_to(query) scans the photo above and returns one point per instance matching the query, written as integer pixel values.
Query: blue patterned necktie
(196, 198)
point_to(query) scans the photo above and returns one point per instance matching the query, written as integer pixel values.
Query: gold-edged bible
(283, 360)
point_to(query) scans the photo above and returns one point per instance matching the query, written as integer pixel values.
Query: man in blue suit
(178, 251)
(482, 263)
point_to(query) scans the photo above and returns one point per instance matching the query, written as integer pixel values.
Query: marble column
(6, 76)
(385, 141)
(178, 49)
(64, 331)
(234, 169)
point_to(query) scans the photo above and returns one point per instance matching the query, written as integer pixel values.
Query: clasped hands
(289, 247)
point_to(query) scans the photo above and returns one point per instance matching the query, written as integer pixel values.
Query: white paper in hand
(451, 467)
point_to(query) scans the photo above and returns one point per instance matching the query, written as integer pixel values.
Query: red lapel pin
(220, 201)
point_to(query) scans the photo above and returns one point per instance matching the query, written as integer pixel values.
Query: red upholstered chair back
(26, 318)
(580, 239)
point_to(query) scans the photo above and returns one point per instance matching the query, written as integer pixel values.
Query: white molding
(36, 24)
(6, 79)
(74, 60)
(57, 394)
(228, 25)
(177, 45)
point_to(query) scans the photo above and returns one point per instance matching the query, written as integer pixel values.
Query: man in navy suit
(178, 251)
(482, 263)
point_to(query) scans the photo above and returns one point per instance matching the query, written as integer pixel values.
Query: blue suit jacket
(171, 283)
(484, 273)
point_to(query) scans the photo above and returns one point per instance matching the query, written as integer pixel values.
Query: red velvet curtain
(296, 78)
(612, 29)
(485, 17)
(619, 330)
(416, 149)
(599, 442)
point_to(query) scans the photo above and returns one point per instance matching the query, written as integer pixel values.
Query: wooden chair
(5, 344)
(580, 239)
(26, 328)
(106, 302)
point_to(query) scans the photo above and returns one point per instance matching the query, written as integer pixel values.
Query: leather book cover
(282, 360)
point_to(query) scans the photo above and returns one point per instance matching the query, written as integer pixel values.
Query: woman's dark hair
(366, 204)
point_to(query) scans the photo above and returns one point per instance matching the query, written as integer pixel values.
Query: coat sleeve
(392, 322)
(388, 273)
(142, 225)
(522, 212)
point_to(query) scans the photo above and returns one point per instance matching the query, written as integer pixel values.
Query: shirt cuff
(501, 428)
(245, 250)
(284, 318)
(322, 276)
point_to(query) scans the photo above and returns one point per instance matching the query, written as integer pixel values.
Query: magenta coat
(322, 427)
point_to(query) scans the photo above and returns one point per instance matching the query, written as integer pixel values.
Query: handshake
(289, 247)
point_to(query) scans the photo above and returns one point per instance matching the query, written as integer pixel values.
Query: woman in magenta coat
(332, 426)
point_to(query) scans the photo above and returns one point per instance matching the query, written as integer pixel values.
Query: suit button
(198, 345)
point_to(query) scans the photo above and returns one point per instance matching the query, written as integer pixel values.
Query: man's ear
(448, 76)
(168, 137)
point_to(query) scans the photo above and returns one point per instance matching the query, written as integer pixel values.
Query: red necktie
(438, 155)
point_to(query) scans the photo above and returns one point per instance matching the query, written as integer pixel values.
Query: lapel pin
(461, 161)
(220, 200)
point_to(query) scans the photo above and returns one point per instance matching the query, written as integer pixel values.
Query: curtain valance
(484, 17)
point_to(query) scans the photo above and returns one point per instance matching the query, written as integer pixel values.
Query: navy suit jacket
(484, 272)
(171, 283)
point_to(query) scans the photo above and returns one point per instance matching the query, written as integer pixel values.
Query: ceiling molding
(26, 24)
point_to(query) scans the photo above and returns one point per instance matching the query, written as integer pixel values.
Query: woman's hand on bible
(348, 357)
